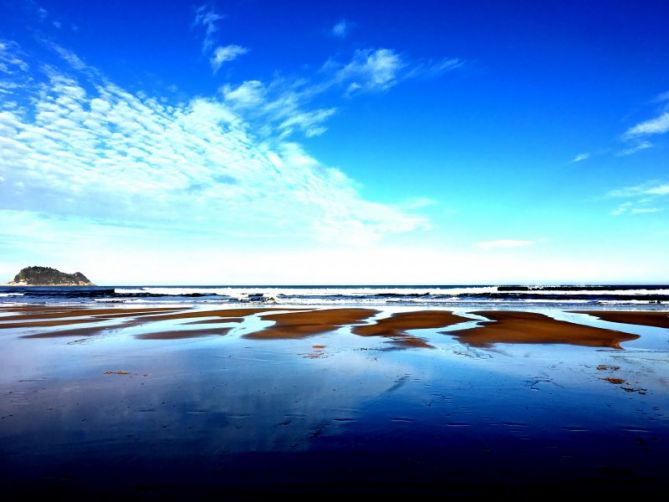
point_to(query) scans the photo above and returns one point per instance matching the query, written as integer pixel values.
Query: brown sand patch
(399, 323)
(411, 341)
(95, 330)
(657, 319)
(530, 327)
(44, 324)
(217, 320)
(302, 324)
(179, 334)
(211, 313)
(81, 312)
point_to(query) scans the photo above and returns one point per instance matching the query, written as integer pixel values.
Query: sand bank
(396, 326)
(40, 313)
(183, 333)
(530, 327)
(302, 324)
(399, 323)
(657, 319)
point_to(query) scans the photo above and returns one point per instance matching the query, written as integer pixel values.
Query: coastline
(201, 398)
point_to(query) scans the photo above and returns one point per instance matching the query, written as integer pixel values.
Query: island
(47, 276)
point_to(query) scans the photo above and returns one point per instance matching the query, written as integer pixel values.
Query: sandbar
(303, 324)
(657, 319)
(183, 333)
(399, 323)
(531, 327)
(81, 312)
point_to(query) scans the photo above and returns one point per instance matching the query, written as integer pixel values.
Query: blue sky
(251, 142)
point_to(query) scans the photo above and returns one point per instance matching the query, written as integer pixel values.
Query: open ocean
(645, 297)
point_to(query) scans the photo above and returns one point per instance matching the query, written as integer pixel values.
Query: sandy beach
(530, 327)
(246, 401)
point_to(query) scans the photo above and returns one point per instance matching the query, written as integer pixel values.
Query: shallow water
(114, 414)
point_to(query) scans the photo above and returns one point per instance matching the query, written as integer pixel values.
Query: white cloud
(207, 19)
(224, 54)
(371, 70)
(649, 188)
(580, 157)
(504, 244)
(646, 198)
(635, 208)
(308, 122)
(90, 148)
(658, 190)
(249, 93)
(11, 58)
(341, 29)
(657, 125)
(642, 145)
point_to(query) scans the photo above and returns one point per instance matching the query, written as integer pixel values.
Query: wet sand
(243, 312)
(79, 312)
(76, 332)
(145, 413)
(395, 327)
(302, 324)
(398, 324)
(530, 327)
(657, 319)
(183, 333)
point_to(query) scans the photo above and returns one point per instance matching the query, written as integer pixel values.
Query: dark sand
(178, 334)
(31, 315)
(210, 313)
(78, 332)
(657, 319)
(240, 420)
(509, 327)
(530, 327)
(302, 324)
(217, 320)
(398, 324)
(46, 324)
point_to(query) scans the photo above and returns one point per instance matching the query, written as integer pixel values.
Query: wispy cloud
(504, 244)
(371, 70)
(224, 54)
(207, 19)
(285, 104)
(82, 145)
(633, 208)
(644, 198)
(376, 70)
(641, 145)
(648, 188)
(341, 29)
(656, 125)
(580, 157)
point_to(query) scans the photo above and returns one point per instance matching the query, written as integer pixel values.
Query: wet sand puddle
(178, 400)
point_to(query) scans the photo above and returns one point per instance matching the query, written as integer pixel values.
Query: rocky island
(47, 276)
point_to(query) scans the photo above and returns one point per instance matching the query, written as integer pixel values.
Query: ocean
(643, 297)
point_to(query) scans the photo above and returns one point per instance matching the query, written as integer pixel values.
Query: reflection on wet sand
(504, 326)
(183, 333)
(79, 312)
(657, 319)
(301, 324)
(531, 327)
(124, 417)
